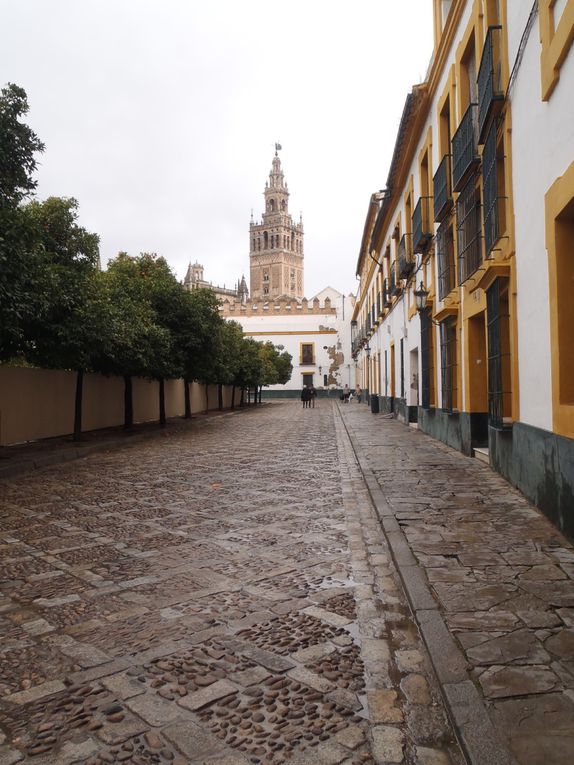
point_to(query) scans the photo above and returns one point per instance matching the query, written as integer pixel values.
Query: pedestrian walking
(313, 392)
(346, 394)
(358, 394)
(306, 397)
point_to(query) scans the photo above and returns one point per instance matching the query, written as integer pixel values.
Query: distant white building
(316, 332)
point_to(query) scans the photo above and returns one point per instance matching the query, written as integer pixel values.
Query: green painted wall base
(334, 394)
(541, 465)
(461, 430)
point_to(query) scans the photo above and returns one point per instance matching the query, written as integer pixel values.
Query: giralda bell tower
(276, 244)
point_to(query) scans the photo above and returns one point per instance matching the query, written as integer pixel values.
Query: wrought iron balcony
(465, 148)
(368, 322)
(422, 230)
(442, 189)
(406, 260)
(490, 93)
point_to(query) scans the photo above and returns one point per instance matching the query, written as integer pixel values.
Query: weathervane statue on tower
(278, 147)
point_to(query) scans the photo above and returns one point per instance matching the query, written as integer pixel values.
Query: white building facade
(477, 222)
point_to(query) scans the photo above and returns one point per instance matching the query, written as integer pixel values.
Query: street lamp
(421, 297)
(421, 300)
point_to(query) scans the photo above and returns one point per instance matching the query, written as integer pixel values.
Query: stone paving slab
(499, 580)
(224, 595)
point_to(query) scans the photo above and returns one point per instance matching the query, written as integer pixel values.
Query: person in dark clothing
(306, 397)
(313, 392)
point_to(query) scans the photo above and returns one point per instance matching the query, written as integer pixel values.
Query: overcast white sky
(160, 117)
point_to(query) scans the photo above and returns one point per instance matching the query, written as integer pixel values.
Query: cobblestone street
(222, 595)
(226, 594)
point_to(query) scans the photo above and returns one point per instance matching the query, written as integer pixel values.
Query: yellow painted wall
(39, 403)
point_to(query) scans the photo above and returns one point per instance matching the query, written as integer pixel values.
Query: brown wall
(39, 403)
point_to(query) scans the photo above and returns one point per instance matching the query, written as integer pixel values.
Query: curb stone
(476, 734)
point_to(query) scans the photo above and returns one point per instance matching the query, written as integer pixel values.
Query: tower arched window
(271, 205)
(265, 240)
(292, 241)
(283, 205)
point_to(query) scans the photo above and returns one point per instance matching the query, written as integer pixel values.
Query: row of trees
(58, 309)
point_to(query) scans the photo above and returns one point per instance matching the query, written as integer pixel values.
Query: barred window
(499, 380)
(448, 364)
(307, 353)
(445, 256)
(427, 359)
(468, 230)
(490, 209)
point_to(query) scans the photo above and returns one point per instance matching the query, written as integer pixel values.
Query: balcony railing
(422, 233)
(490, 93)
(465, 148)
(368, 322)
(445, 260)
(468, 231)
(442, 189)
(406, 260)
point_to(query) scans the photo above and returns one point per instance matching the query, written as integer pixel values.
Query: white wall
(292, 330)
(542, 149)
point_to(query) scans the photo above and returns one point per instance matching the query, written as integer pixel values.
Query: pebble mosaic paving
(223, 596)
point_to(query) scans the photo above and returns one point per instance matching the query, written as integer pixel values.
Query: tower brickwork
(276, 244)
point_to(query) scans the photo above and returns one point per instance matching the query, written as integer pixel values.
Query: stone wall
(39, 403)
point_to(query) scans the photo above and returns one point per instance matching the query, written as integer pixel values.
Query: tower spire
(276, 244)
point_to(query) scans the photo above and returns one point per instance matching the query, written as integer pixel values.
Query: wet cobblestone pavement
(501, 574)
(223, 595)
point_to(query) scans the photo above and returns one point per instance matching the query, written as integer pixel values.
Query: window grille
(445, 258)
(448, 364)
(426, 358)
(307, 354)
(498, 322)
(490, 191)
(468, 230)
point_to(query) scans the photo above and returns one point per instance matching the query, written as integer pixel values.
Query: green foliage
(276, 365)
(138, 344)
(18, 266)
(70, 318)
(18, 147)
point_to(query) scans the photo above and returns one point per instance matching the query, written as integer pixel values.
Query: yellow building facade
(464, 321)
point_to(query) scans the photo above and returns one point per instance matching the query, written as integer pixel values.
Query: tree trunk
(233, 396)
(128, 403)
(242, 400)
(162, 402)
(260, 392)
(187, 399)
(206, 398)
(78, 405)
(220, 395)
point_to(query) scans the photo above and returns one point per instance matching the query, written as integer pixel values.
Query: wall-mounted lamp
(421, 300)
(367, 350)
